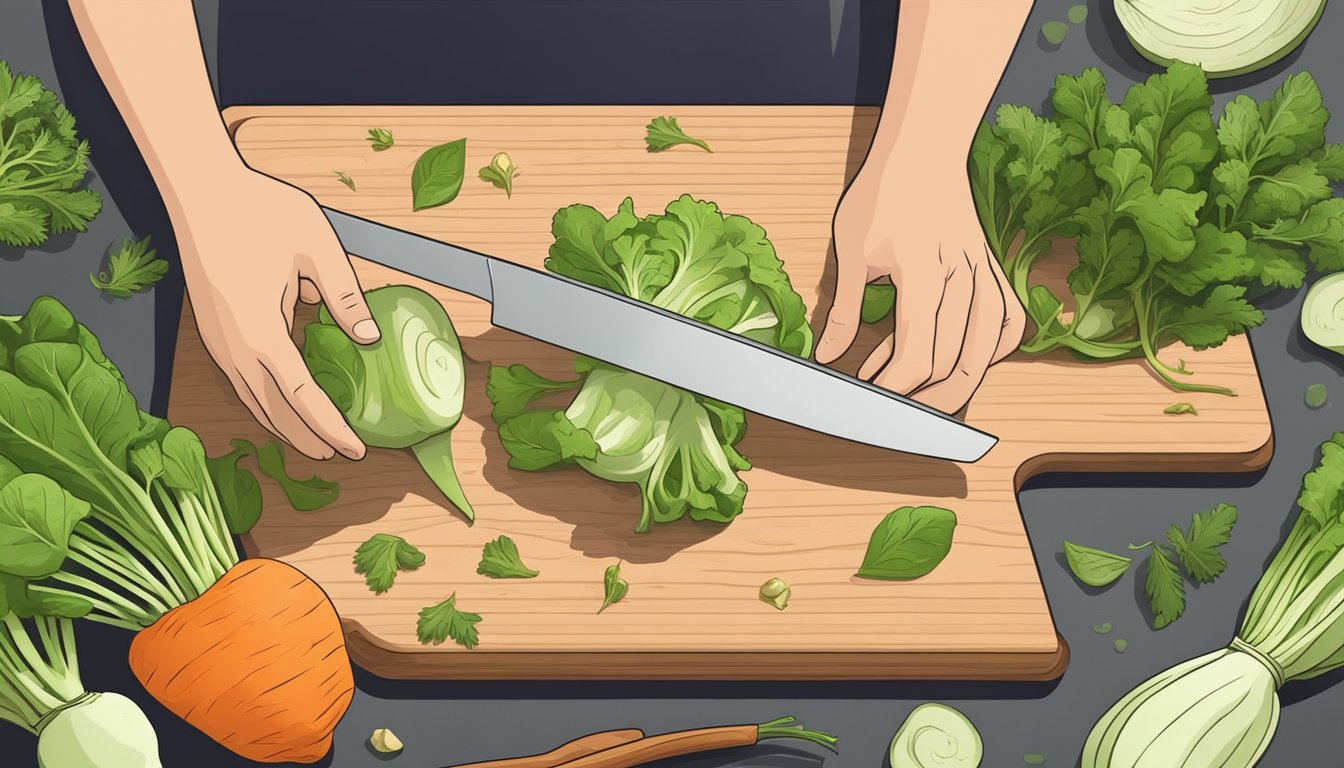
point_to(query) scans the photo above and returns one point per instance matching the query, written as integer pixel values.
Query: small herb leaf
(1164, 588)
(909, 543)
(500, 173)
(444, 621)
(382, 556)
(664, 133)
(132, 268)
(345, 179)
(380, 138)
(239, 491)
(614, 588)
(437, 177)
(1199, 549)
(500, 560)
(1094, 567)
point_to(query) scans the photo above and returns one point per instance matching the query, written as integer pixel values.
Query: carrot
(257, 662)
(581, 747)
(633, 753)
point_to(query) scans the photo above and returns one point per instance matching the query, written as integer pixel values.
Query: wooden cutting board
(692, 609)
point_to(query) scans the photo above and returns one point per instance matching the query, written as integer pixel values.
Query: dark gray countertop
(444, 723)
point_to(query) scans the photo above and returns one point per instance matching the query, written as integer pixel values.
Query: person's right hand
(251, 248)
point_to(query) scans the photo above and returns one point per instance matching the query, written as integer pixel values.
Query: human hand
(251, 248)
(955, 313)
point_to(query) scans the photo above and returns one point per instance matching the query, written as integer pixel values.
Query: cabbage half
(1223, 37)
(404, 390)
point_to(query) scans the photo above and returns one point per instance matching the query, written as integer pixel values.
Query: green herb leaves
(1094, 567)
(909, 543)
(1164, 588)
(500, 172)
(500, 560)
(663, 133)
(382, 556)
(614, 588)
(444, 621)
(1198, 549)
(37, 517)
(1178, 222)
(345, 179)
(437, 177)
(132, 268)
(307, 495)
(42, 165)
(380, 139)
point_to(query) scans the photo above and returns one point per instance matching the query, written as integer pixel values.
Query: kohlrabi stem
(167, 588)
(789, 728)
(34, 682)
(436, 457)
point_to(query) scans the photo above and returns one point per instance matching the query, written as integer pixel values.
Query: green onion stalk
(1221, 709)
(40, 691)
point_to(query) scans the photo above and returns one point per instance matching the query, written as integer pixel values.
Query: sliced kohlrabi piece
(1323, 312)
(937, 736)
(1223, 37)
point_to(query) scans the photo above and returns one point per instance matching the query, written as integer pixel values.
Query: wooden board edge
(1252, 460)
(235, 116)
(388, 662)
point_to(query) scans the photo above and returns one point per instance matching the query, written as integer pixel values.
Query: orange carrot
(565, 753)
(257, 662)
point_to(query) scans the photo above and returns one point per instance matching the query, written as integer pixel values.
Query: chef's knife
(668, 347)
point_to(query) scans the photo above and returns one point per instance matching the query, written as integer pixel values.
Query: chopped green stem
(1145, 545)
(789, 728)
(1161, 370)
(120, 578)
(114, 605)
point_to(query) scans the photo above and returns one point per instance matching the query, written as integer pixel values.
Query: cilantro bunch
(1179, 221)
(42, 164)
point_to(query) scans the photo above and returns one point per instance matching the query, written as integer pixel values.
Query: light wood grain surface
(692, 610)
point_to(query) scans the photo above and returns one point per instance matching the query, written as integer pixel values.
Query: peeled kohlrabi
(40, 691)
(1323, 312)
(936, 736)
(1223, 37)
(404, 390)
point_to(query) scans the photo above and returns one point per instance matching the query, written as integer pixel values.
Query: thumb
(842, 322)
(335, 280)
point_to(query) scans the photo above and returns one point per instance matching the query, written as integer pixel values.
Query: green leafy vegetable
(1077, 14)
(614, 588)
(345, 179)
(936, 736)
(1094, 567)
(1316, 396)
(1103, 628)
(500, 172)
(239, 492)
(1054, 32)
(444, 621)
(664, 133)
(42, 165)
(878, 300)
(1178, 409)
(36, 519)
(132, 268)
(1164, 588)
(1178, 222)
(379, 559)
(677, 447)
(500, 560)
(437, 176)
(909, 543)
(1198, 549)
(381, 139)
(404, 390)
(304, 495)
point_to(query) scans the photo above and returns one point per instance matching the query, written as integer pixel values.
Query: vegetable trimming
(663, 133)
(402, 391)
(41, 692)
(1222, 708)
(936, 736)
(133, 267)
(42, 165)
(1224, 37)
(677, 447)
(120, 522)
(909, 542)
(1178, 221)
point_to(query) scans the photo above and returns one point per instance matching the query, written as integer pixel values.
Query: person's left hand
(910, 218)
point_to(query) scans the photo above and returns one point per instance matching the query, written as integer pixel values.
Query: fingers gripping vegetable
(110, 514)
(676, 446)
(403, 391)
(1224, 37)
(1222, 708)
(40, 691)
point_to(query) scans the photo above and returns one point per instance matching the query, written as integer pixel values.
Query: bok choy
(1221, 709)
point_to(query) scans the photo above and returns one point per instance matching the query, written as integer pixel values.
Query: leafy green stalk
(39, 672)
(790, 728)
